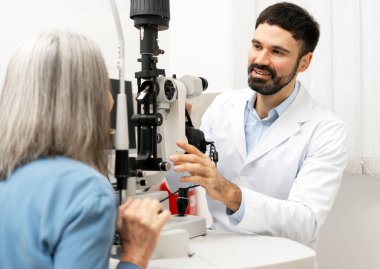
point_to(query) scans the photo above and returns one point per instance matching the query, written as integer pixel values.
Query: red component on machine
(191, 208)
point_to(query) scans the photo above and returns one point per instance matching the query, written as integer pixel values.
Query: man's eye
(277, 52)
(256, 46)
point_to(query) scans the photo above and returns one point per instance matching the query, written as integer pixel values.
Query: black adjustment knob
(164, 166)
(169, 89)
(182, 201)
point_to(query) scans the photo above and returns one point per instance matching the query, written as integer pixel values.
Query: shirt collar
(280, 109)
(288, 101)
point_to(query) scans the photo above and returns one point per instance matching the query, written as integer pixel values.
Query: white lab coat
(291, 176)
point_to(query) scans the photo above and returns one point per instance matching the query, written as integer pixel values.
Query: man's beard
(272, 86)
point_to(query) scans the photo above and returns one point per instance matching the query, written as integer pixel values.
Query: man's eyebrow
(255, 41)
(281, 48)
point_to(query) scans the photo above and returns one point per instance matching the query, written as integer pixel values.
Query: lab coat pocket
(280, 178)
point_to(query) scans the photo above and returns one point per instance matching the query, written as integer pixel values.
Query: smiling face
(274, 60)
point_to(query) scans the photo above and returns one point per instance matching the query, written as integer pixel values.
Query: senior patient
(57, 208)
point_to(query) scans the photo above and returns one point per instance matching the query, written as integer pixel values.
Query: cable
(213, 154)
(177, 192)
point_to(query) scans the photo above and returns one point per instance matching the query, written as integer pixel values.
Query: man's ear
(305, 62)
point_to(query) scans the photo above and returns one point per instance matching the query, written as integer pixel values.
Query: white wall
(193, 44)
(21, 18)
(200, 41)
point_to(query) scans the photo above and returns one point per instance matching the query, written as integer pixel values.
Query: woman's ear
(110, 101)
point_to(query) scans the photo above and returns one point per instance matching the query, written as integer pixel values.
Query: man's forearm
(232, 196)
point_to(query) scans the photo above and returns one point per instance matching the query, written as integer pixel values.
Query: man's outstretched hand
(204, 173)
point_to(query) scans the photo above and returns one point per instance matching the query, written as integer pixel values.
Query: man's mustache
(261, 67)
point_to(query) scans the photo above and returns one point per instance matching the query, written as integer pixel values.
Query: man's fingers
(187, 158)
(188, 107)
(199, 180)
(188, 148)
(191, 168)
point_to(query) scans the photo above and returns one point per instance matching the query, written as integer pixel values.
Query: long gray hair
(54, 102)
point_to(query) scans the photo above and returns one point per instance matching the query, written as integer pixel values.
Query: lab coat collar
(236, 118)
(285, 126)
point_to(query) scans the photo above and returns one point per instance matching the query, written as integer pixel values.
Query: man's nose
(262, 58)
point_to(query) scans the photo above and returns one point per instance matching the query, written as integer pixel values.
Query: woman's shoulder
(64, 175)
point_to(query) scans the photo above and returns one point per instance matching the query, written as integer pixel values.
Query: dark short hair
(294, 19)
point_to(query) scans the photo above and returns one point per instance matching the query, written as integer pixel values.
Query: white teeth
(262, 72)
